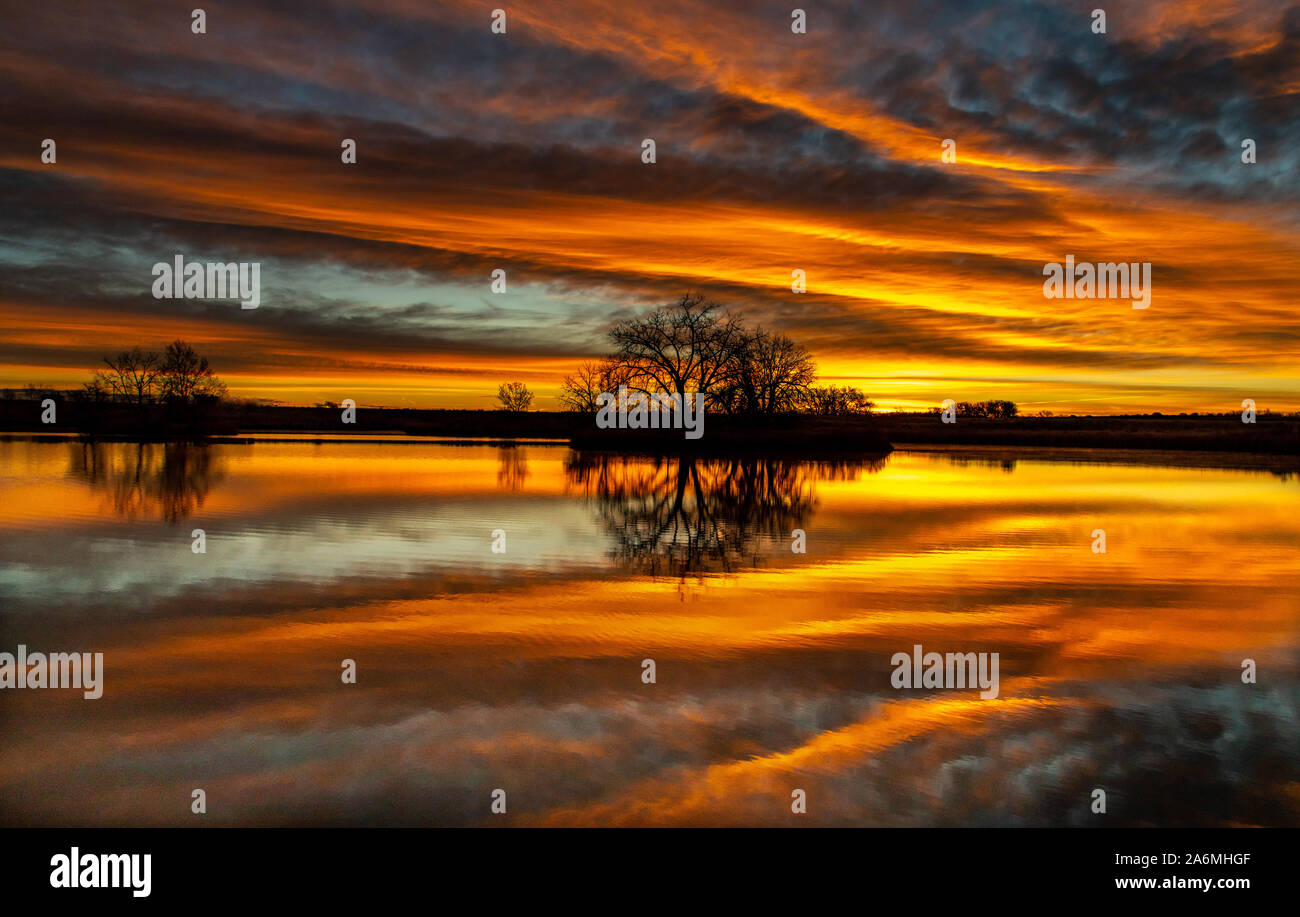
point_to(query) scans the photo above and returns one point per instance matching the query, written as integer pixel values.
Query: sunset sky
(775, 151)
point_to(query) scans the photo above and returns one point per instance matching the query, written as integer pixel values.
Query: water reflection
(522, 669)
(167, 481)
(677, 516)
(1006, 464)
(512, 468)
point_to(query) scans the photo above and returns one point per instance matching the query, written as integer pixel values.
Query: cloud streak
(775, 151)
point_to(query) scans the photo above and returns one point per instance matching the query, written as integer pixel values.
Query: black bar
(627, 868)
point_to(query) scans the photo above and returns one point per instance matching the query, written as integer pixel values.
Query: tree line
(178, 375)
(995, 409)
(697, 346)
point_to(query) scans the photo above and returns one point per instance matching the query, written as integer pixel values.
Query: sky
(774, 152)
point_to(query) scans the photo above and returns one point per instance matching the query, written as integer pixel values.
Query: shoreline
(992, 454)
(1273, 436)
(1176, 458)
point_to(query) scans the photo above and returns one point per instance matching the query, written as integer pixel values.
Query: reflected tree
(681, 515)
(512, 467)
(168, 481)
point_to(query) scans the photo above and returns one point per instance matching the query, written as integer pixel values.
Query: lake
(505, 607)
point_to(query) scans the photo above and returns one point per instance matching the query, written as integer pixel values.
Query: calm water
(522, 670)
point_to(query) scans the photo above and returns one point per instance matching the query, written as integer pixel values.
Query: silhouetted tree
(997, 410)
(185, 376)
(132, 375)
(696, 346)
(768, 374)
(689, 346)
(836, 400)
(178, 375)
(514, 396)
(579, 390)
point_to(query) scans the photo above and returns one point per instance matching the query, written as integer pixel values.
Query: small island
(759, 390)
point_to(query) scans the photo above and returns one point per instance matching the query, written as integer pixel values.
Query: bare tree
(835, 400)
(185, 375)
(133, 375)
(683, 347)
(580, 389)
(94, 391)
(514, 396)
(769, 374)
(696, 346)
